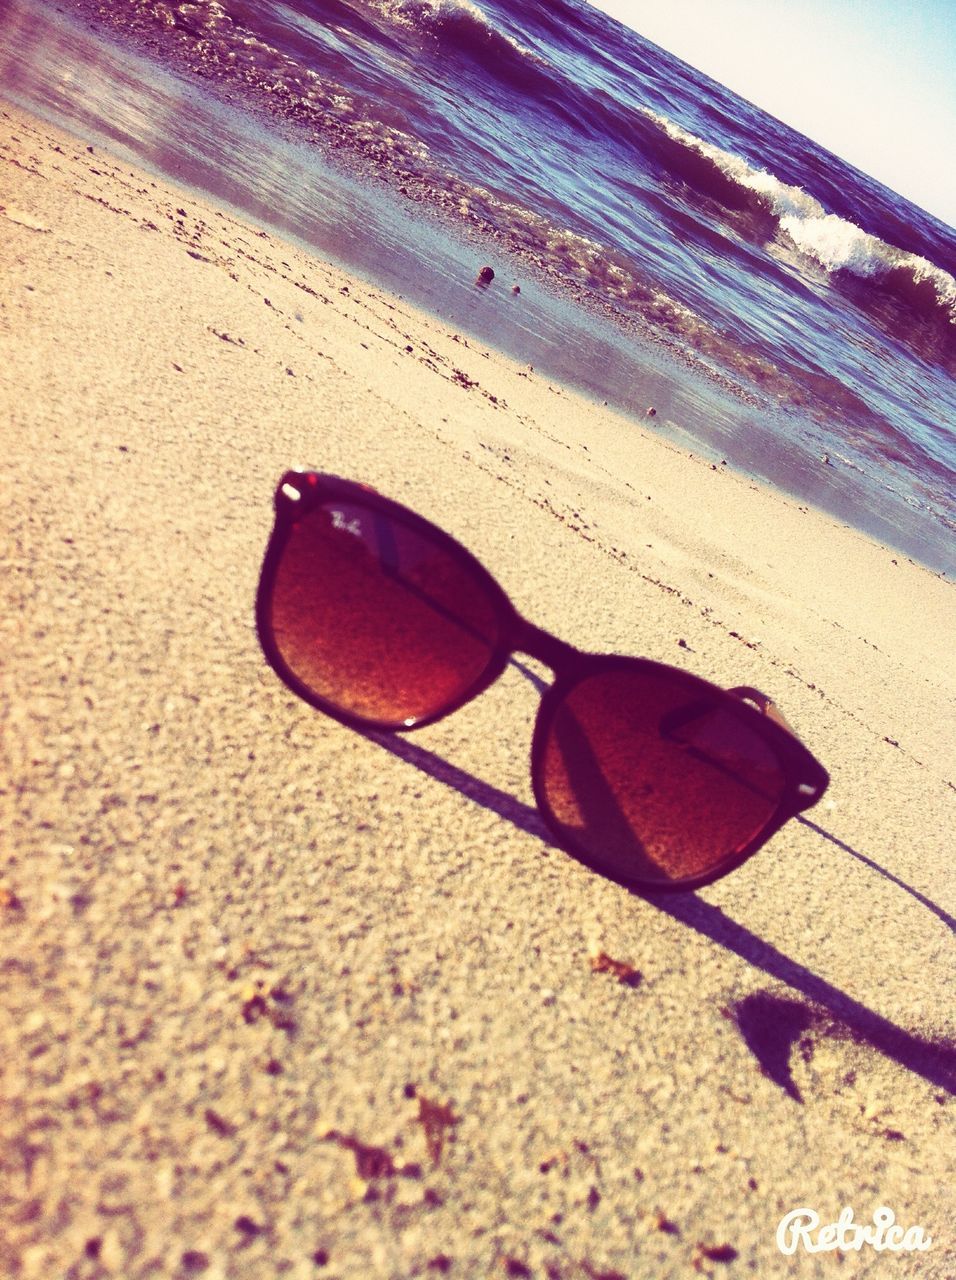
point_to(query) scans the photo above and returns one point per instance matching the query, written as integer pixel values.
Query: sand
(278, 999)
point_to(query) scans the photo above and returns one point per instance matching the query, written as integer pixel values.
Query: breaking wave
(828, 240)
(457, 22)
(552, 133)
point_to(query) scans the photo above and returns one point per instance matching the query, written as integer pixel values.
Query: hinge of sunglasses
(295, 485)
(764, 704)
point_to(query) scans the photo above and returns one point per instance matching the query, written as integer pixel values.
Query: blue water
(651, 214)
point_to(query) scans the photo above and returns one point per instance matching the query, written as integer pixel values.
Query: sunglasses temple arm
(390, 566)
(672, 723)
(809, 791)
(764, 704)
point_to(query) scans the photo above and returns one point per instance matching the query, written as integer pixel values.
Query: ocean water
(675, 245)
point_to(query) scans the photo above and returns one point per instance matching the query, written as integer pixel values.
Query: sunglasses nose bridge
(537, 643)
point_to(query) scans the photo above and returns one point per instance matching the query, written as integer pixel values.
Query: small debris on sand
(9, 900)
(516, 288)
(370, 1161)
(624, 972)
(485, 276)
(651, 412)
(436, 1119)
(713, 1253)
(23, 220)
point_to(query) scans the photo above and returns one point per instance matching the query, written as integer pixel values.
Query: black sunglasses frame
(300, 492)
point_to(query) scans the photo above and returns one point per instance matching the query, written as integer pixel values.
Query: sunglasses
(650, 775)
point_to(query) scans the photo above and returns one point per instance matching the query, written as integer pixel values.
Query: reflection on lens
(653, 778)
(377, 619)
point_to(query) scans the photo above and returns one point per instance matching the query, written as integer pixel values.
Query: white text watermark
(802, 1227)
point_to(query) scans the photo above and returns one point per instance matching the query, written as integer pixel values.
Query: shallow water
(174, 124)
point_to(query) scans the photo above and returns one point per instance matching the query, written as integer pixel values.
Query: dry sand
(279, 1000)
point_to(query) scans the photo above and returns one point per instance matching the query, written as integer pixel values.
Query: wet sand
(278, 999)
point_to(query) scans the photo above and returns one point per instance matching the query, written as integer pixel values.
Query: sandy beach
(282, 1000)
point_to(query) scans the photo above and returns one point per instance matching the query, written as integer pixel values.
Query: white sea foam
(829, 240)
(433, 13)
(782, 199)
(208, 16)
(840, 246)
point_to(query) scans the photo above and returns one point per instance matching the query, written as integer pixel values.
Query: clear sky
(872, 80)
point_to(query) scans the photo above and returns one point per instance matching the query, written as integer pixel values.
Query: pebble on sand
(485, 276)
(652, 412)
(516, 288)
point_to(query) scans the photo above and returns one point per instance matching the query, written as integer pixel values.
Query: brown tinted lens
(377, 619)
(654, 778)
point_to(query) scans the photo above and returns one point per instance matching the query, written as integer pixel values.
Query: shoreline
(563, 327)
(241, 945)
